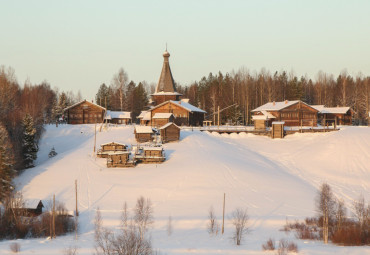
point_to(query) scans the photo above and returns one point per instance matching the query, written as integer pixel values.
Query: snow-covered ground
(274, 179)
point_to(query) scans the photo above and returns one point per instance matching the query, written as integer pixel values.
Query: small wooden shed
(34, 208)
(117, 117)
(162, 118)
(277, 130)
(151, 155)
(106, 148)
(169, 132)
(120, 159)
(143, 134)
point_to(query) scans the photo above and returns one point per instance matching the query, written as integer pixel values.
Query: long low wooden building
(334, 115)
(84, 112)
(293, 113)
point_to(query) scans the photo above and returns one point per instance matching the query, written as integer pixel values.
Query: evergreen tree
(102, 95)
(6, 163)
(29, 145)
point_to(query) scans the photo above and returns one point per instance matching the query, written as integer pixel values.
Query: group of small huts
(169, 132)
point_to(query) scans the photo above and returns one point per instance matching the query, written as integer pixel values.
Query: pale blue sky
(81, 44)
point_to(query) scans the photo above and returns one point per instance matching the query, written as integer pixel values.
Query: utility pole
(53, 235)
(76, 197)
(95, 140)
(223, 216)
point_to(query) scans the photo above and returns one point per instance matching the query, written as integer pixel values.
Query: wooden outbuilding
(84, 112)
(120, 159)
(277, 130)
(144, 134)
(117, 117)
(150, 155)
(107, 148)
(293, 113)
(34, 208)
(169, 132)
(162, 118)
(334, 115)
(144, 118)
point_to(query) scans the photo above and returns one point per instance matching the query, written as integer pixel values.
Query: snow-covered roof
(145, 115)
(117, 115)
(337, 110)
(259, 117)
(152, 148)
(33, 203)
(275, 106)
(84, 101)
(278, 122)
(167, 125)
(118, 152)
(184, 105)
(162, 93)
(162, 115)
(112, 143)
(318, 107)
(143, 129)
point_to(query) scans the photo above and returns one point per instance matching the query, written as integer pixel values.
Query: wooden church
(167, 100)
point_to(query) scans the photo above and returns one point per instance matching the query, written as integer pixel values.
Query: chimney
(273, 103)
(286, 101)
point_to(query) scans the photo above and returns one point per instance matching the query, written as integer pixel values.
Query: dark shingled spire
(166, 83)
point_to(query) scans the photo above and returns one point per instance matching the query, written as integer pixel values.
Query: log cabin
(293, 113)
(150, 155)
(144, 134)
(120, 159)
(169, 132)
(334, 115)
(117, 117)
(161, 118)
(106, 148)
(144, 118)
(277, 130)
(84, 112)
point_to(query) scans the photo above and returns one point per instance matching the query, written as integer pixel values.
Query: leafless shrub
(286, 247)
(103, 236)
(15, 247)
(71, 250)
(239, 219)
(269, 245)
(169, 226)
(212, 226)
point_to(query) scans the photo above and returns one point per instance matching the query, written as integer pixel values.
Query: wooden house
(161, 118)
(106, 148)
(117, 117)
(262, 120)
(144, 134)
(169, 132)
(277, 130)
(184, 113)
(293, 113)
(84, 112)
(334, 115)
(150, 155)
(144, 118)
(34, 208)
(120, 159)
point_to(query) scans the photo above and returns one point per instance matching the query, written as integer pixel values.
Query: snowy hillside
(274, 179)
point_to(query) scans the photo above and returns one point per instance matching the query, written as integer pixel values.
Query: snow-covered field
(274, 179)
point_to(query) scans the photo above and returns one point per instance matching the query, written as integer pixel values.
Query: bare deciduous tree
(239, 219)
(325, 206)
(143, 215)
(212, 226)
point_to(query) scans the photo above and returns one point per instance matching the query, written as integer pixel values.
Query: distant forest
(244, 89)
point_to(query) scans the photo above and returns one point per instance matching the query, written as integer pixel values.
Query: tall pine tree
(29, 145)
(6, 163)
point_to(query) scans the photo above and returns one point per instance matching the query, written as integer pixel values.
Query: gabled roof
(145, 115)
(265, 116)
(167, 125)
(143, 130)
(117, 115)
(277, 106)
(113, 143)
(162, 115)
(182, 104)
(84, 101)
(332, 110)
(34, 203)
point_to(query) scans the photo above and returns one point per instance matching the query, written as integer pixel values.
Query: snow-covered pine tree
(29, 145)
(6, 163)
(52, 153)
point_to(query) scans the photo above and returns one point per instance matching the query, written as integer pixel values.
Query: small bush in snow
(71, 250)
(52, 153)
(15, 247)
(286, 247)
(269, 245)
(239, 219)
(212, 226)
